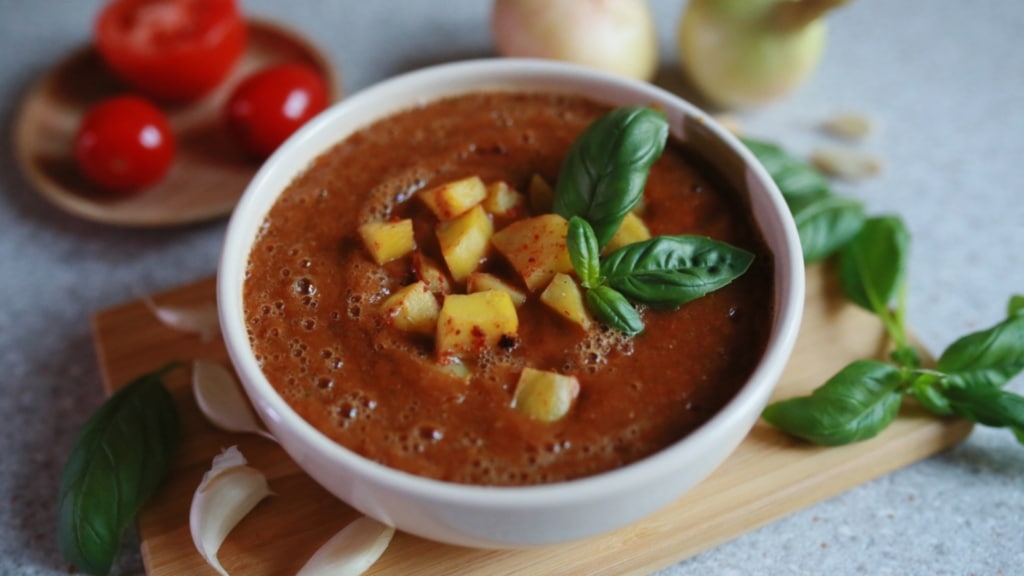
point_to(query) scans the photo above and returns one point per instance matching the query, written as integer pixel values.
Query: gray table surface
(944, 78)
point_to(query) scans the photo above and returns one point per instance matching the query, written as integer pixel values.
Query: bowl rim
(789, 287)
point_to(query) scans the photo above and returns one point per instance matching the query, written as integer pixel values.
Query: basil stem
(855, 404)
(118, 460)
(612, 308)
(988, 357)
(605, 172)
(584, 252)
(671, 270)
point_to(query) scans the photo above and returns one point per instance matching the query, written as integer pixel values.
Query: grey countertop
(946, 81)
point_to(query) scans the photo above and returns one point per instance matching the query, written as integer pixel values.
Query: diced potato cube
(431, 273)
(480, 281)
(413, 309)
(502, 199)
(465, 241)
(536, 248)
(470, 323)
(564, 297)
(542, 195)
(632, 230)
(545, 396)
(387, 241)
(454, 198)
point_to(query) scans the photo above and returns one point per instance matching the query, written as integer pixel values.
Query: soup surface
(313, 306)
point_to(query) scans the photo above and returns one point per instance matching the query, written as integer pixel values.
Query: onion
(613, 35)
(742, 53)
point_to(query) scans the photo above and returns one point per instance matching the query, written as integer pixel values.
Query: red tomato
(268, 106)
(172, 50)
(124, 144)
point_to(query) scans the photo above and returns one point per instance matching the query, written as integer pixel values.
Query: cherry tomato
(171, 50)
(268, 106)
(124, 144)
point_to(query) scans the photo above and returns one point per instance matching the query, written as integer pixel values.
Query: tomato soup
(313, 303)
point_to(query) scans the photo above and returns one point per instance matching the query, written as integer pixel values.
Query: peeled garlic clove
(846, 164)
(201, 319)
(848, 126)
(221, 401)
(228, 492)
(351, 551)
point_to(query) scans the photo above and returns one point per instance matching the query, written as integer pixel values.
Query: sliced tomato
(171, 50)
(124, 144)
(268, 106)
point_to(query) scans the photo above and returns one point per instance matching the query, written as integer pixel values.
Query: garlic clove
(228, 492)
(351, 551)
(846, 163)
(201, 319)
(221, 401)
(848, 126)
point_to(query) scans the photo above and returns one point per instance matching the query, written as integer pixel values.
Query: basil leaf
(926, 392)
(795, 178)
(672, 270)
(989, 406)
(612, 308)
(825, 223)
(605, 172)
(119, 458)
(1016, 305)
(584, 252)
(872, 267)
(990, 357)
(855, 404)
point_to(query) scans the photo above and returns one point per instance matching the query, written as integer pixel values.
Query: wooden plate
(210, 171)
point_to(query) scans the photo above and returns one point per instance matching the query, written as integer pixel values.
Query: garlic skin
(745, 53)
(227, 493)
(617, 36)
(352, 551)
(221, 400)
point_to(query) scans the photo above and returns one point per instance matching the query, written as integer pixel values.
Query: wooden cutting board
(769, 475)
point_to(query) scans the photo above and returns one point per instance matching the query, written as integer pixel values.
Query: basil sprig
(601, 180)
(825, 221)
(862, 399)
(119, 459)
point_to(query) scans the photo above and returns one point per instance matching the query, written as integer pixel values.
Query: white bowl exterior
(499, 517)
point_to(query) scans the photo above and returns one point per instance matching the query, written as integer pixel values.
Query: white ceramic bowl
(501, 517)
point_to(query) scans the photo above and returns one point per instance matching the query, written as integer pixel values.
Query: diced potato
(632, 230)
(564, 297)
(387, 241)
(431, 273)
(542, 195)
(465, 241)
(413, 309)
(502, 199)
(480, 281)
(536, 248)
(470, 323)
(453, 199)
(545, 396)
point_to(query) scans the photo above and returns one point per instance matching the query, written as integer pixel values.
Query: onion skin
(617, 36)
(742, 55)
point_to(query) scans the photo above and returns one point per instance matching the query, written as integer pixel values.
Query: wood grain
(769, 475)
(210, 171)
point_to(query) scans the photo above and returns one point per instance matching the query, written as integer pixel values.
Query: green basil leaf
(612, 308)
(925, 390)
(1016, 305)
(605, 172)
(988, 406)
(855, 404)
(795, 178)
(671, 270)
(825, 223)
(990, 357)
(584, 252)
(872, 267)
(119, 458)
(906, 356)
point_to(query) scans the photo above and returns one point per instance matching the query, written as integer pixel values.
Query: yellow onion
(613, 35)
(742, 53)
